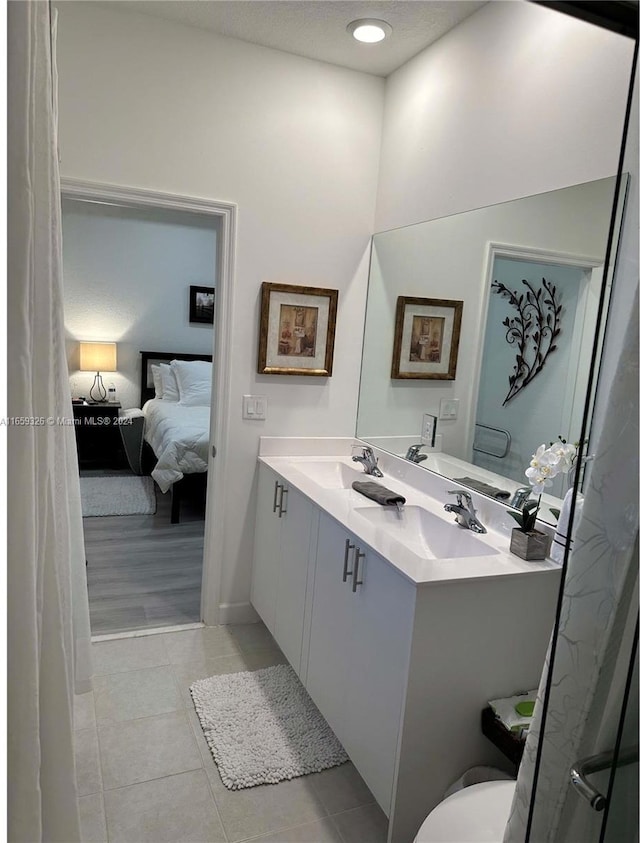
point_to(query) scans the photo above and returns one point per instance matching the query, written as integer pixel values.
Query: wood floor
(144, 571)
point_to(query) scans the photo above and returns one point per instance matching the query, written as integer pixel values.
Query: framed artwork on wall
(425, 343)
(297, 330)
(202, 304)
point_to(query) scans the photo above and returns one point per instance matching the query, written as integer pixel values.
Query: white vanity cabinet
(264, 579)
(331, 624)
(402, 666)
(283, 531)
(359, 646)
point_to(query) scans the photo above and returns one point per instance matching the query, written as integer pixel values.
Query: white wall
(516, 100)
(295, 143)
(127, 274)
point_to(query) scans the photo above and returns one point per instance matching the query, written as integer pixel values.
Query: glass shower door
(620, 819)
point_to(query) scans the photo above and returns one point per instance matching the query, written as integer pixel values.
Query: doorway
(132, 259)
(538, 328)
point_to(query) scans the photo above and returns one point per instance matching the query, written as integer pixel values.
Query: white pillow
(157, 380)
(170, 390)
(194, 381)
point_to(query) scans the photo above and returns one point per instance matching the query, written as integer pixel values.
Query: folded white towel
(560, 539)
(134, 413)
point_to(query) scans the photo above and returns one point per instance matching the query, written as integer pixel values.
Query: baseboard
(237, 613)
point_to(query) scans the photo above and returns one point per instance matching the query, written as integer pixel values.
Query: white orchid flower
(540, 477)
(546, 463)
(535, 479)
(544, 457)
(537, 457)
(566, 454)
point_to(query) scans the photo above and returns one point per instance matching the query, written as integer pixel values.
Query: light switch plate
(428, 436)
(449, 408)
(254, 407)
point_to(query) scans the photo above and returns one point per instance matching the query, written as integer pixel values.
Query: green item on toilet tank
(525, 709)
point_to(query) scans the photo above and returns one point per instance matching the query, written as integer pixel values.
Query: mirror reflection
(529, 274)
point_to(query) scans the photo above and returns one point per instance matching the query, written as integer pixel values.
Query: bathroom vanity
(400, 624)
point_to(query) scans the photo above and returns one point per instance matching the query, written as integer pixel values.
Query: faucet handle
(462, 496)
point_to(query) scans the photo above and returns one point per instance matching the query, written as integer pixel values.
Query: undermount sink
(426, 533)
(331, 474)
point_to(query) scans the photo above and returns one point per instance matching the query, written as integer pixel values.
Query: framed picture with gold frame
(427, 333)
(297, 330)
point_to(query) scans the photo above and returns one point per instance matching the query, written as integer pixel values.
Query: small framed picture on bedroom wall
(297, 330)
(202, 304)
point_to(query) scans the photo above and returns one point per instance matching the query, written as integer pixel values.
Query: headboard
(147, 390)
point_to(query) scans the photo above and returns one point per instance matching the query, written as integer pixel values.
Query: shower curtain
(47, 605)
(599, 604)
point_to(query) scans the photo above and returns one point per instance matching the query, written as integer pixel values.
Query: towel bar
(507, 446)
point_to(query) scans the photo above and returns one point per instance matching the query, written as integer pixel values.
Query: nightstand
(97, 436)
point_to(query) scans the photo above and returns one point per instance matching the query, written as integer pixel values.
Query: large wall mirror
(530, 274)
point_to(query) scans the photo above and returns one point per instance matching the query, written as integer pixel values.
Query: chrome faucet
(465, 511)
(414, 455)
(369, 462)
(520, 496)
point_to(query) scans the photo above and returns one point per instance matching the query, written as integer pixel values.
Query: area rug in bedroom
(128, 495)
(262, 727)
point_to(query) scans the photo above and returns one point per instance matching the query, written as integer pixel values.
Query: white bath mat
(117, 496)
(262, 727)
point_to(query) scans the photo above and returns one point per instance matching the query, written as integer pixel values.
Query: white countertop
(401, 477)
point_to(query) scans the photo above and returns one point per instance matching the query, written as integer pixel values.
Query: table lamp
(98, 357)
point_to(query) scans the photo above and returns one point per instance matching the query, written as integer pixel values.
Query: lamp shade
(97, 357)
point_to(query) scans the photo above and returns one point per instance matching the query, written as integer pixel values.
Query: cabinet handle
(347, 548)
(275, 496)
(283, 500)
(356, 582)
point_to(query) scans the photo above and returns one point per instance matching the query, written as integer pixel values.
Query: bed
(177, 435)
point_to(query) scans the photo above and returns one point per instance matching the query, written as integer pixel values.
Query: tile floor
(145, 772)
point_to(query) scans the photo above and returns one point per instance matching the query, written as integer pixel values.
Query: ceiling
(317, 28)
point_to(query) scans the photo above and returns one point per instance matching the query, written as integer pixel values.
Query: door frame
(496, 250)
(226, 214)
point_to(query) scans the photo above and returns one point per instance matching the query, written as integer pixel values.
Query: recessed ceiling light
(369, 30)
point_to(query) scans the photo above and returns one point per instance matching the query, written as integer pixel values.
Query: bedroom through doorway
(140, 285)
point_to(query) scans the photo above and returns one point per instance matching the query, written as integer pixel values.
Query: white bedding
(179, 437)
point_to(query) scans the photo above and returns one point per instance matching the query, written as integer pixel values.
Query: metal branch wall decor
(533, 330)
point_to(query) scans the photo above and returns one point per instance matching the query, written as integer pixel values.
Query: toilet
(475, 814)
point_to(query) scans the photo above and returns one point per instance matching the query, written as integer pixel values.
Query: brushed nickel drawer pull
(282, 501)
(356, 582)
(275, 496)
(347, 548)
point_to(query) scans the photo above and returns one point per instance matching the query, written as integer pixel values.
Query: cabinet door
(264, 580)
(295, 533)
(382, 614)
(330, 624)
